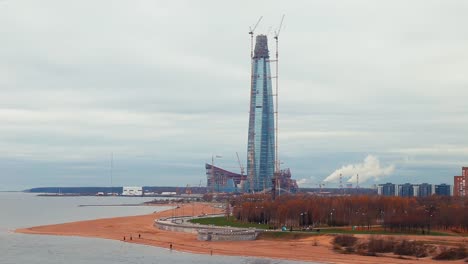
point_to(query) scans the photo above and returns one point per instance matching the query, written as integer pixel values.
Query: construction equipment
(277, 165)
(321, 185)
(251, 32)
(251, 154)
(240, 165)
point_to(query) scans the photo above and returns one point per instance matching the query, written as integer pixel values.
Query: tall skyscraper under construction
(261, 138)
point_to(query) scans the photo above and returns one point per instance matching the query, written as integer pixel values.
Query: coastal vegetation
(354, 214)
(378, 246)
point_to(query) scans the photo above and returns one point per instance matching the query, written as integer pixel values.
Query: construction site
(263, 165)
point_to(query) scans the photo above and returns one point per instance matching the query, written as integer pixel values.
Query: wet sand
(316, 249)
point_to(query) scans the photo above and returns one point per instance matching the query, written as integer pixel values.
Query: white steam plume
(302, 182)
(370, 169)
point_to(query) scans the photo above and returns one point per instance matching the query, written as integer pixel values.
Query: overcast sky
(379, 86)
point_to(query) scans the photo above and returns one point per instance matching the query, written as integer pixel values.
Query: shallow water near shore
(20, 210)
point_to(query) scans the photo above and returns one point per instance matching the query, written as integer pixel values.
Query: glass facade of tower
(261, 138)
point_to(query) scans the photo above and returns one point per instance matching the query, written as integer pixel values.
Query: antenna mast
(111, 172)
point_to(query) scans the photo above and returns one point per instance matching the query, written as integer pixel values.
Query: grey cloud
(170, 80)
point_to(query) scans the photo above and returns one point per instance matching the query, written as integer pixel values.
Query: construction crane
(240, 165)
(188, 190)
(277, 165)
(251, 154)
(321, 185)
(251, 32)
(279, 28)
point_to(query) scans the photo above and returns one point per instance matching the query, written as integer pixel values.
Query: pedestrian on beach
(130, 237)
(170, 246)
(139, 235)
(124, 238)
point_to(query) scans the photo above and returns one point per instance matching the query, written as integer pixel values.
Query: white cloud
(440, 150)
(368, 170)
(295, 135)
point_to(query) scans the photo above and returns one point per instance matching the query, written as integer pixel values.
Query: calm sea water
(24, 210)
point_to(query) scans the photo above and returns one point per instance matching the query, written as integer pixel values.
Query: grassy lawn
(286, 235)
(304, 234)
(375, 232)
(222, 221)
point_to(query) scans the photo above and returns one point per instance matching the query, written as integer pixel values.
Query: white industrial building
(132, 191)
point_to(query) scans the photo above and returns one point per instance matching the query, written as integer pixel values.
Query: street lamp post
(430, 212)
(302, 221)
(331, 216)
(306, 219)
(173, 214)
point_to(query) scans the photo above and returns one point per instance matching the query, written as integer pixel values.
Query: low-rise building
(132, 191)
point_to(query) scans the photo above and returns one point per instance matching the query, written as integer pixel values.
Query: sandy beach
(316, 249)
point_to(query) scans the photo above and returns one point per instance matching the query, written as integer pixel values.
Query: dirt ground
(317, 248)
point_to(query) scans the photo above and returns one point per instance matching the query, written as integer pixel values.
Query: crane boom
(279, 28)
(251, 32)
(253, 29)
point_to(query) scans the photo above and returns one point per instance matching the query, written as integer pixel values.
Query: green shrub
(452, 253)
(349, 250)
(380, 245)
(411, 248)
(345, 240)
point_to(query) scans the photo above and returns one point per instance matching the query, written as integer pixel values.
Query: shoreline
(314, 249)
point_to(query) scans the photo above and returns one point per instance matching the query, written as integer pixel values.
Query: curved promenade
(206, 232)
